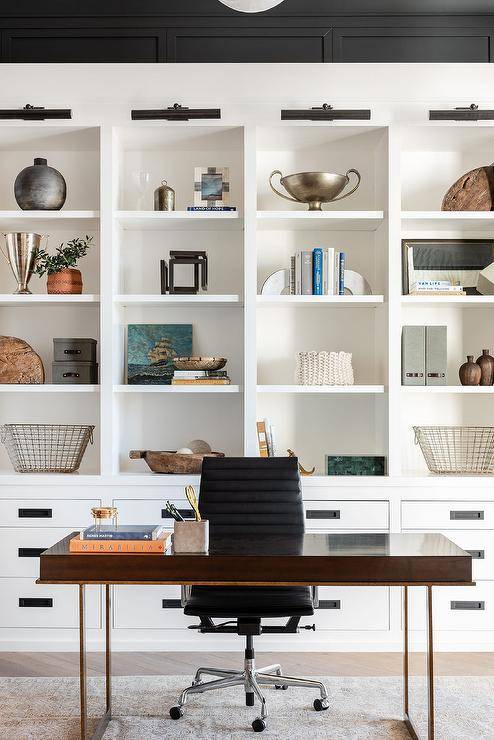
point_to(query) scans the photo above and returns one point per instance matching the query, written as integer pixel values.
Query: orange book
(118, 546)
(262, 439)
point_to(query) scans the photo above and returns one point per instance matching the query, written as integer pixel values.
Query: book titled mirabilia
(151, 349)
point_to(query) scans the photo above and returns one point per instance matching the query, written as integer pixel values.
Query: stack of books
(436, 287)
(318, 272)
(266, 438)
(211, 208)
(124, 538)
(200, 377)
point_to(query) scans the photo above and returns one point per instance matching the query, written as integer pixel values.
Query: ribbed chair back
(251, 494)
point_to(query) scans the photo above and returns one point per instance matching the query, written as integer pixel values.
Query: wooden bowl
(199, 363)
(172, 462)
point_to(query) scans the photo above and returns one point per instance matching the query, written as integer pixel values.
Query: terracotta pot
(470, 372)
(66, 281)
(486, 364)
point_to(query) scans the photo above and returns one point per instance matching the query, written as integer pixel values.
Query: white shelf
(202, 299)
(459, 301)
(42, 220)
(43, 299)
(177, 389)
(178, 220)
(447, 220)
(48, 388)
(311, 301)
(320, 220)
(324, 389)
(447, 389)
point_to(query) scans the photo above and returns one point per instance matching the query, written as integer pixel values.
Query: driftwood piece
(473, 191)
(172, 462)
(19, 363)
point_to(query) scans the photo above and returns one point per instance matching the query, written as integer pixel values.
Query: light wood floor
(303, 664)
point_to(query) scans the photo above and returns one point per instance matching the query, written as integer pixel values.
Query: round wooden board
(19, 363)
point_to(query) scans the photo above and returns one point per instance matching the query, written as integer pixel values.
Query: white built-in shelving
(322, 389)
(322, 301)
(326, 220)
(43, 299)
(178, 220)
(431, 221)
(459, 301)
(202, 300)
(49, 220)
(177, 389)
(49, 388)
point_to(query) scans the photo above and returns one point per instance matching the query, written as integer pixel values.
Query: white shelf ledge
(43, 299)
(179, 220)
(202, 299)
(42, 220)
(48, 388)
(326, 389)
(176, 388)
(446, 220)
(333, 301)
(447, 389)
(320, 220)
(458, 301)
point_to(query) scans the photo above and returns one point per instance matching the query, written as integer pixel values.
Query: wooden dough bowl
(19, 363)
(172, 462)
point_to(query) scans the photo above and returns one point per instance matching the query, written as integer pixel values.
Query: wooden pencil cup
(191, 536)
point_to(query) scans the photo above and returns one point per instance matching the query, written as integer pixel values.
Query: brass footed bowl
(314, 188)
(199, 363)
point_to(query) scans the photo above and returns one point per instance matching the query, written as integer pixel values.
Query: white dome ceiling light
(251, 6)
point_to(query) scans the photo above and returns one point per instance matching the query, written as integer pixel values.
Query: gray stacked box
(74, 361)
(424, 355)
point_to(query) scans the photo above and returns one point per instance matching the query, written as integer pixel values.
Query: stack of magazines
(121, 538)
(200, 377)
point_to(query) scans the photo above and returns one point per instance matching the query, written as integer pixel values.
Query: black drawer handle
(35, 513)
(323, 514)
(70, 375)
(329, 604)
(468, 605)
(171, 604)
(466, 515)
(186, 513)
(24, 602)
(72, 351)
(30, 552)
(477, 554)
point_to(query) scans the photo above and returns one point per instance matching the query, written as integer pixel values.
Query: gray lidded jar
(40, 187)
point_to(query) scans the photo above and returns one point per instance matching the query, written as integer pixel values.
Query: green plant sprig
(66, 255)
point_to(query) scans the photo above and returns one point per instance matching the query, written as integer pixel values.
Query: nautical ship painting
(151, 349)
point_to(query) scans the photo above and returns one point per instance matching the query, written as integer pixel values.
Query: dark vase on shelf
(470, 372)
(486, 364)
(40, 187)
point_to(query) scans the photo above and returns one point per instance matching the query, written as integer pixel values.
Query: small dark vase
(470, 372)
(40, 187)
(486, 364)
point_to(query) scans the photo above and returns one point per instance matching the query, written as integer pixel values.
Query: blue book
(123, 532)
(341, 274)
(317, 255)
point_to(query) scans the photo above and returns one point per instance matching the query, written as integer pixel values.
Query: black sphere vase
(40, 187)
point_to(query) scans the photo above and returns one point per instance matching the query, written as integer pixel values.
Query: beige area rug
(360, 709)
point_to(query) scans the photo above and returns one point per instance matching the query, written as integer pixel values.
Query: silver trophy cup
(22, 249)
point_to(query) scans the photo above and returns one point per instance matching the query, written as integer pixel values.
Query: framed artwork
(457, 260)
(151, 349)
(355, 465)
(211, 187)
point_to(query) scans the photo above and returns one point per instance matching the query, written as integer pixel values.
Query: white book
(325, 272)
(330, 282)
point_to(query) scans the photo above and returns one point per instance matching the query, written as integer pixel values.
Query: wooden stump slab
(473, 191)
(19, 363)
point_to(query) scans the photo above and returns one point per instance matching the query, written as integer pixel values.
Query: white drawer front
(455, 608)
(47, 512)
(437, 515)
(365, 515)
(59, 610)
(351, 608)
(19, 549)
(480, 545)
(142, 607)
(150, 511)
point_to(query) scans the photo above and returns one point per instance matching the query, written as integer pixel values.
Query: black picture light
(175, 112)
(35, 113)
(326, 113)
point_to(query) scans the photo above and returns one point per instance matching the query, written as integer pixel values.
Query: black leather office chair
(262, 497)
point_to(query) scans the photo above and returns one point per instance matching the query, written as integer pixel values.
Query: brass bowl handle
(345, 195)
(277, 172)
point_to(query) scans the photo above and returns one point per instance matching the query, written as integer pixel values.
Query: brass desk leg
(102, 723)
(430, 668)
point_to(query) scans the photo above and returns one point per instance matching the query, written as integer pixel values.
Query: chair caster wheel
(281, 688)
(258, 725)
(320, 705)
(176, 712)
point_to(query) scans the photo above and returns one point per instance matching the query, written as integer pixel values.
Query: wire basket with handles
(46, 448)
(468, 450)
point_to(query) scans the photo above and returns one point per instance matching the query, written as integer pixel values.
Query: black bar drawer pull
(329, 604)
(171, 604)
(35, 513)
(30, 552)
(477, 554)
(466, 515)
(24, 602)
(186, 513)
(323, 514)
(71, 375)
(468, 605)
(72, 351)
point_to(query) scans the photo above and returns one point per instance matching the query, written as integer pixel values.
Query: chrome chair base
(251, 679)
